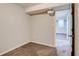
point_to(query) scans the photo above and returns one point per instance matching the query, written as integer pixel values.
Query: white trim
(13, 48)
(50, 45)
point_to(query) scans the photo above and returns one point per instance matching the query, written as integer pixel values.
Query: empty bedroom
(36, 29)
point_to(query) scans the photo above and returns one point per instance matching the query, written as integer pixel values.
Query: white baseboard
(14, 48)
(50, 45)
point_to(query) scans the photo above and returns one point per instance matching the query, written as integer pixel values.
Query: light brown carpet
(33, 49)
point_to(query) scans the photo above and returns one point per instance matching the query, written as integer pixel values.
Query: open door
(71, 28)
(65, 31)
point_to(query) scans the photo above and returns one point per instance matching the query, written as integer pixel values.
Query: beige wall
(14, 26)
(77, 29)
(43, 30)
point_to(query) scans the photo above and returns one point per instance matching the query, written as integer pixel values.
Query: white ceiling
(25, 5)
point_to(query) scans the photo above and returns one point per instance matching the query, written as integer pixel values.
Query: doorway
(63, 32)
(63, 24)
